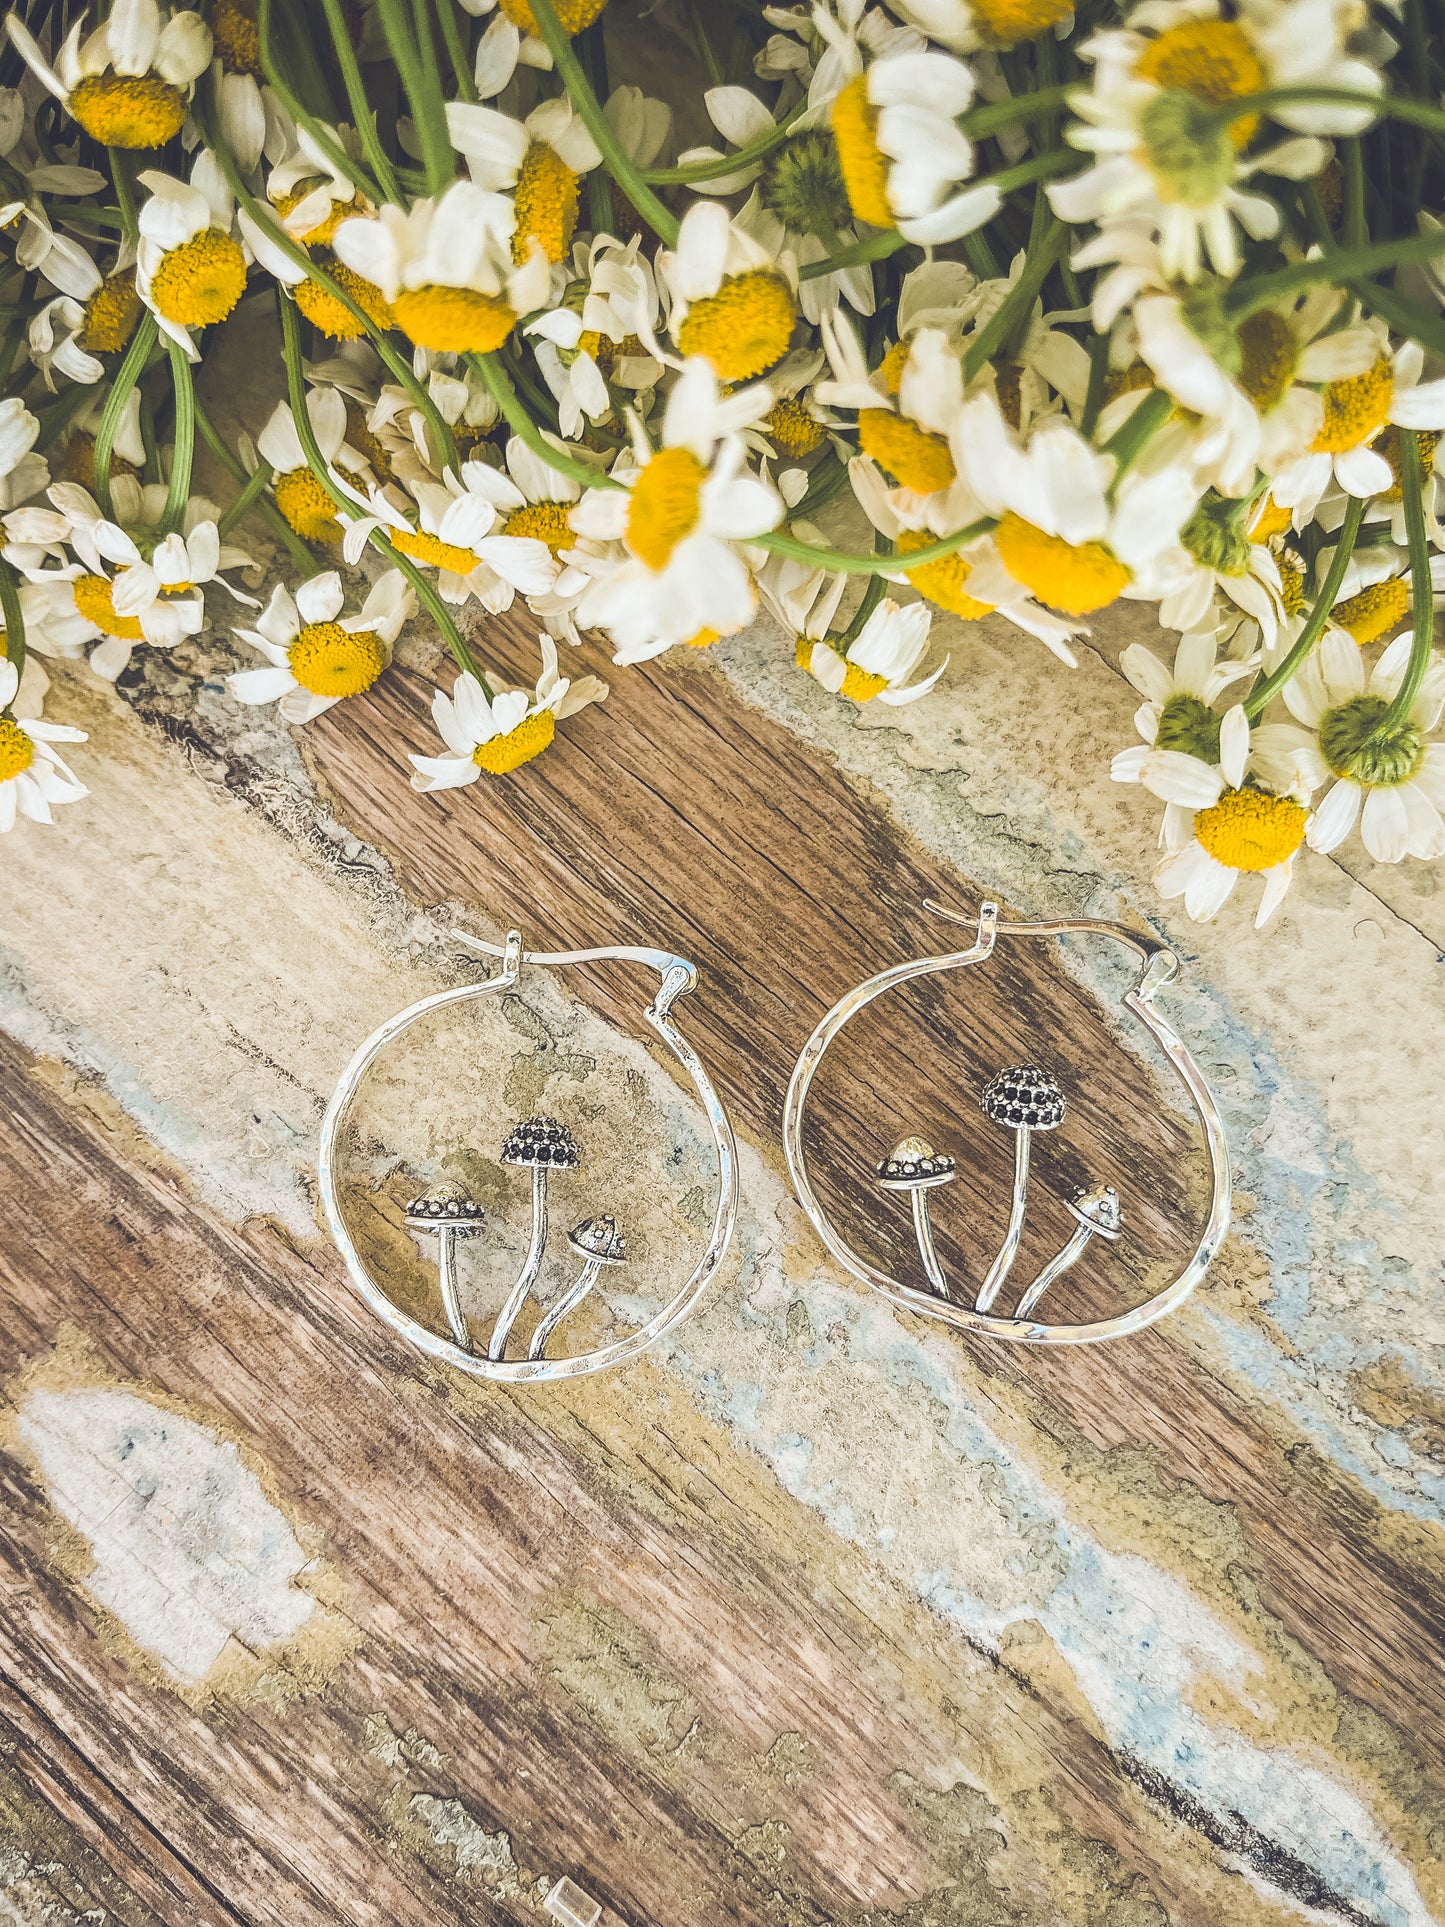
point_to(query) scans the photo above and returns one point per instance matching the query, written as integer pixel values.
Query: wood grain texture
(577, 1630)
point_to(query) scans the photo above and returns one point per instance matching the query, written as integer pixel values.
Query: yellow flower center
(430, 548)
(233, 30)
(854, 120)
(1389, 445)
(332, 661)
(892, 365)
(546, 204)
(911, 455)
(742, 329)
(794, 429)
(503, 754)
(456, 321)
(94, 601)
(1212, 59)
(1271, 520)
(322, 309)
(1075, 579)
(200, 281)
(111, 314)
(337, 211)
(665, 505)
(306, 505)
(704, 639)
(1269, 353)
(942, 582)
(542, 522)
(17, 752)
(861, 685)
(1291, 585)
(1012, 21)
(129, 110)
(1368, 615)
(1355, 408)
(605, 351)
(573, 16)
(1250, 830)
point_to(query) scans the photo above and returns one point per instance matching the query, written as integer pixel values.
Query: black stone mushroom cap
(1024, 1098)
(542, 1143)
(913, 1165)
(599, 1239)
(1097, 1206)
(445, 1206)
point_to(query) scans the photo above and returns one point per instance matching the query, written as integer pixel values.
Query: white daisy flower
(876, 665)
(583, 355)
(539, 162)
(499, 734)
(683, 509)
(1356, 409)
(1063, 534)
(732, 302)
(1249, 831)
(129, 81)
(300, 495)
(317, 655)
(312, 195)
(1391, 781)
(1190, 752)
(190, 268)
(457, 530)
(445, 268)
(32, 776)
(21, 471)
(57, 334)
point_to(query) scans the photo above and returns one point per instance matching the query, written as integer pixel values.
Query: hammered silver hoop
(1024, 1099)
(596, 1240)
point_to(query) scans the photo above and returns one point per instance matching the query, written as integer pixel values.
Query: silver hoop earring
(1022, 1099)
(547, 1149)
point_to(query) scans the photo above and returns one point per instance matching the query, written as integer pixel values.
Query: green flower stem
(269, 512)
(127, 375)
(315, 461)
(362, 115)
(14, 620)
(704, 45)
(1264, 691)
(408, 47)
(869, 601)
(1356, 233)
(599, 186)
(986, 120)
(877, 247)
(456, 48)
(847, 562)
(124, 191)
(255, 485)
(1422, 595)
(397, 365)
(1098, 379)
(1017, 302)
(184, 448)
(325, 140)
(743, 156)
(827, 480)
(615, 158)
(1402, 315)
(1418, 113)
(1128, 441)
(1344, 265)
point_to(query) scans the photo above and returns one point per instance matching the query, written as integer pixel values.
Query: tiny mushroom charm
(1098, 1213)
(1024, 1099)
(539, 1144)
(914, 1166)
(448, 1212)
(597, 1242)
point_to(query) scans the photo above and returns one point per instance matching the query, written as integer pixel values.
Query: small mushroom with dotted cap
(915, 1167)
(449, 1212)
(1097, 1214)
(1024, 1099)
(538, 1145)
(597, 1242)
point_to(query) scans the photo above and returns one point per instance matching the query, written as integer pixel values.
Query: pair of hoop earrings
(1021, 1099)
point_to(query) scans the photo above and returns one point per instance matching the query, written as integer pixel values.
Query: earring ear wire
(1023, 1099)
(545, 1147)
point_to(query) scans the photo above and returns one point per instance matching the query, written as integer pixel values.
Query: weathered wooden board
(799, 1622)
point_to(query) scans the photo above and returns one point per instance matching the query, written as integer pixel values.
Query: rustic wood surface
(819, 1615)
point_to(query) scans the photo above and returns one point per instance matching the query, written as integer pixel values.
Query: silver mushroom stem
(517, 1296)
(568, 1302)
(999, 1270)
(1096, 1207)
(447, 1274)
(927, 1250)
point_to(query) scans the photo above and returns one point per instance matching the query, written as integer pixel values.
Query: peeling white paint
(189, 1552)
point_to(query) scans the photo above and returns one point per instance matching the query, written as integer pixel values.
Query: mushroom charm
(450, 1214)
(1024, 1099)
(540, 1145)
(914, 1166)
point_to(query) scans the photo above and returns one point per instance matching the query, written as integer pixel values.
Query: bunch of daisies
(961, 309)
